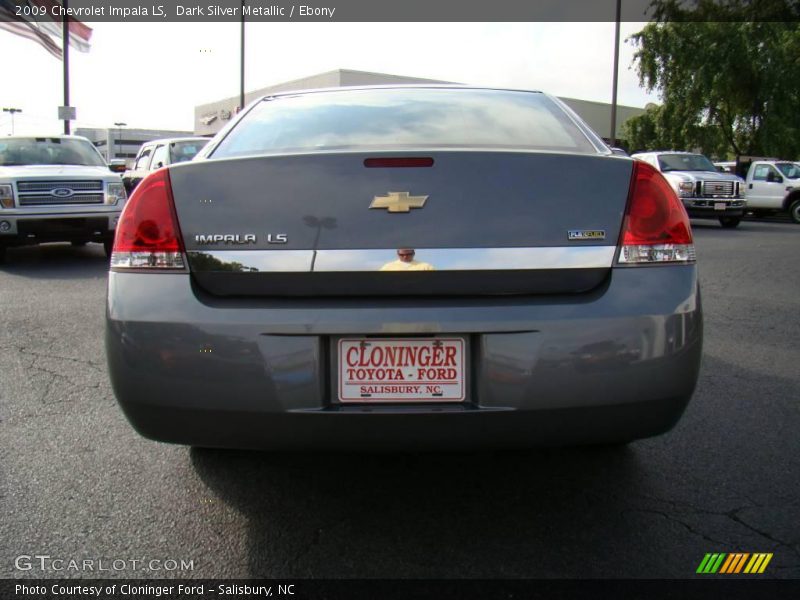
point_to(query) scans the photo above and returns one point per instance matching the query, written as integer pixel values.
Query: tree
(669, 127)
(728, 73)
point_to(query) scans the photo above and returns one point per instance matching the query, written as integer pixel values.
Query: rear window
(186, 150)
(404, 118)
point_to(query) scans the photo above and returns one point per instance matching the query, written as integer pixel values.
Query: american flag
(44, 30)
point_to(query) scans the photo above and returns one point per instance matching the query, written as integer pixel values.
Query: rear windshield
(685, 162)
(790, 170)
(48, 151)
(404, 118)
(185, 150)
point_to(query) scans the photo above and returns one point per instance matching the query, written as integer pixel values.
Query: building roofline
(600, 104)
(376, 73)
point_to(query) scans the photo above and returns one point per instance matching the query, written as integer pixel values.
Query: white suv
(56, 189)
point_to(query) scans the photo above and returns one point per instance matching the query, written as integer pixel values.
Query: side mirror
(117, 166)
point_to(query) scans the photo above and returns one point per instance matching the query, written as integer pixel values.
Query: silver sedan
(404, 267)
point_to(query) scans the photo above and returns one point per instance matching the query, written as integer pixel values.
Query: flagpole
(65, 51)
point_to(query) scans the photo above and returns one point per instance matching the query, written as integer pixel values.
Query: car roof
(405, 86)
(177, 139)
(45, 136)
(667, 152)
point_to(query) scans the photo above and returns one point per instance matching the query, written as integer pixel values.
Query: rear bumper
(58, 227)
(387, 430)
(618, 363)
(704, 207)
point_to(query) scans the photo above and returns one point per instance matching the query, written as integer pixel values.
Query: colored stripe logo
(735, 563)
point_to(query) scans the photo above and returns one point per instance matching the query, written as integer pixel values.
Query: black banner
(398, 11)
(382, 589)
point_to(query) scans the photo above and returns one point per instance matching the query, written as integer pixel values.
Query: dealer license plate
(401, 370)
(720, 206)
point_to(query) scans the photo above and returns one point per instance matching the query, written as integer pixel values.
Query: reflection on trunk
(203, 261)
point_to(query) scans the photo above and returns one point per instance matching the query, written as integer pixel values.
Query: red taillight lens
(147, 234)
(656, 227)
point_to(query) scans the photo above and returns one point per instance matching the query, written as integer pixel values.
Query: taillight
(147, 235)
(656, 227)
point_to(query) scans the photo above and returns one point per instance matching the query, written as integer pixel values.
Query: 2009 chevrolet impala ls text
(404, 267)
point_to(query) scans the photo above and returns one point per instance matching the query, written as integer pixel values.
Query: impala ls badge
(586, 234)
(218, 238)
(239, 239)
(398, 202)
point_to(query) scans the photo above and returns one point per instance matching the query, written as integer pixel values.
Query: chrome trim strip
(441, 259)
(278, 261)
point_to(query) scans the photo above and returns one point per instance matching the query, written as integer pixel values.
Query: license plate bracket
(384, 370)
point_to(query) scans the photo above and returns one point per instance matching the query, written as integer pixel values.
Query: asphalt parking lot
(78, 484)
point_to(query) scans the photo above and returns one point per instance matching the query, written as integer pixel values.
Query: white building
(122, 142)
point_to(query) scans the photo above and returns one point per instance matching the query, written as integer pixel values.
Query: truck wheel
(2, 254)
(729, 222)
(794, 211)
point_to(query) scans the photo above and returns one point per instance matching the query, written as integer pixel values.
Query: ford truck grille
(59, 193)
(718, 189)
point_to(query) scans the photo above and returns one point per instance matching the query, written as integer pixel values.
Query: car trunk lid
(486, 222)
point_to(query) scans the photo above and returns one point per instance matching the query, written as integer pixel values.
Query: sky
(152, 75)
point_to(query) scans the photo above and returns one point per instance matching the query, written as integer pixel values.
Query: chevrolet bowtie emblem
(398, 202)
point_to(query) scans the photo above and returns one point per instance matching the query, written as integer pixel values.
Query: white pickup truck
(774, 186)
(56, 189)
(704, 191)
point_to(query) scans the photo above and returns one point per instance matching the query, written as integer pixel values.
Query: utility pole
(119, 125)
(613, 134)
(12, 111)
(65, 53)
(241, 61)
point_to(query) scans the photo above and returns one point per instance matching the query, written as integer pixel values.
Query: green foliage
(728, 85)
(672, 127)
